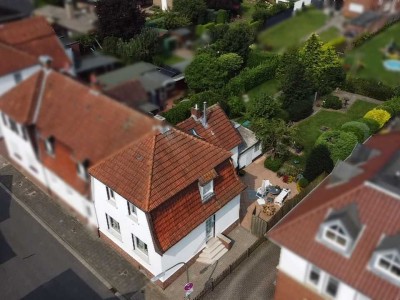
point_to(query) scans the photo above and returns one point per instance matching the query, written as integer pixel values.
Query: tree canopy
(119, 18)
(191, 9)
(208, 72)
(262, 106)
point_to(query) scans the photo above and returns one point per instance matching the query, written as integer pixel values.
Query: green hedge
(339, 143)
(252, 77)
(392, 106)
(222, 16)
(372, 124)
(273, 164)
(370, 88)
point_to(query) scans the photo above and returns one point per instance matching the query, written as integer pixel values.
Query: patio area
(255, 174)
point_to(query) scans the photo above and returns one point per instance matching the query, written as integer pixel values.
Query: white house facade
(8, 81)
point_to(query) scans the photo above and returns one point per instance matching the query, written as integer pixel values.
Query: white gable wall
(298, 268)
(7, 82)
(21, 151)
(235, 156)
(183, 251)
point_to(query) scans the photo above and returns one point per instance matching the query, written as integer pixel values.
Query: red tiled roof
(219, 132)
(169, 162)
(35, 37)
(378, 212)
(13, 60)
(91, 124)
(19, 103)
(178, 216)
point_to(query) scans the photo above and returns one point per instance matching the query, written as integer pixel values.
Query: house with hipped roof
(158, 194)
(165, 198)
(343, 240)
(56, 128)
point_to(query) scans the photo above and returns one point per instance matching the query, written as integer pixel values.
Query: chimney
(94, 82)
(162, 125)
(45, 61)
(69, 8)
(204, 114)
(196, 113)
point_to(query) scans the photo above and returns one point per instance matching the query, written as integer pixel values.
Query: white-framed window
(113, 225)
(388, 264)
(49, 144)
(207, 190)
(110, 194)
(336, 235)
(138, 244)
(314, 275)
(82, 170)
(132, 211)
(331, 287)
(13, 126)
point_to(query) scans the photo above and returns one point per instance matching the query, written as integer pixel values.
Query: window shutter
(129, 209)
(108, 193)
(108, 224)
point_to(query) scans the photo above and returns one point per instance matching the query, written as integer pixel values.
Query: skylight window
(207, 190)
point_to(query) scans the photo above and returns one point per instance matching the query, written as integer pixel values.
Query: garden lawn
(309, 129)
(329, 34)
(171, 60)
(247, 9)
(370, 55)
(292, 31)
(270, 88)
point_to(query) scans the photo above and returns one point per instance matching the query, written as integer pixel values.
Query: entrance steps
(213, 251)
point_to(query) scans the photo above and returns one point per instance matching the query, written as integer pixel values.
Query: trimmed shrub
(379, 115)
(356, 131)
(332, 102)
(252, 77)
(361, 127)
(369, 87)
(222, 16)
(258, 57)
(372, 124)
(274, 164)
(200, 29)
(178, 113)
(303, 182)
(300, 110)
(318, 161)
(339, 143)
(338, 43)
(392, 106)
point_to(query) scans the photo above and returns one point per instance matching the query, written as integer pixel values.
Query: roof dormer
(385, 260)
(341, 229)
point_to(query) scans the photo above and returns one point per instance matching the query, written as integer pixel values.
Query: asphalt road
(34, 265)
(253, 279)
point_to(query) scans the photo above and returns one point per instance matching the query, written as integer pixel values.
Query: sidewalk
(201, 274)
(121, 275)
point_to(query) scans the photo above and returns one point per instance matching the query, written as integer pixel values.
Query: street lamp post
(157, 277)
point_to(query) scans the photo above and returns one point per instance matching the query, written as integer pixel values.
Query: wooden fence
(260, 227)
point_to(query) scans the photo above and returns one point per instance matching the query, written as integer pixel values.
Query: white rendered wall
(128, 226)
(298, 269)
(293, 265)
(82, 205)
(164, 5)
(21, 151)
(195, 241)
(8, 82)
(235, 156)
(183, 251)
(356, 8)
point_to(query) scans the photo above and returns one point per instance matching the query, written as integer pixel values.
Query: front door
(210, 227)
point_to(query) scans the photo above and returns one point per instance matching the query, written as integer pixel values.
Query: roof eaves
(150, 177)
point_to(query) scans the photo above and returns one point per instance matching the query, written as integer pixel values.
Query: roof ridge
(278, 228)
(148, 192)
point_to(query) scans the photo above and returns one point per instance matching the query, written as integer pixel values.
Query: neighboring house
(24, 45)
(162, 198)
(343, 240)
(132, 94)
(250, 148)
(155, 80)
(367, 22)
(214, 127)
(55, 128)
(70, 19)
(354, 8)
